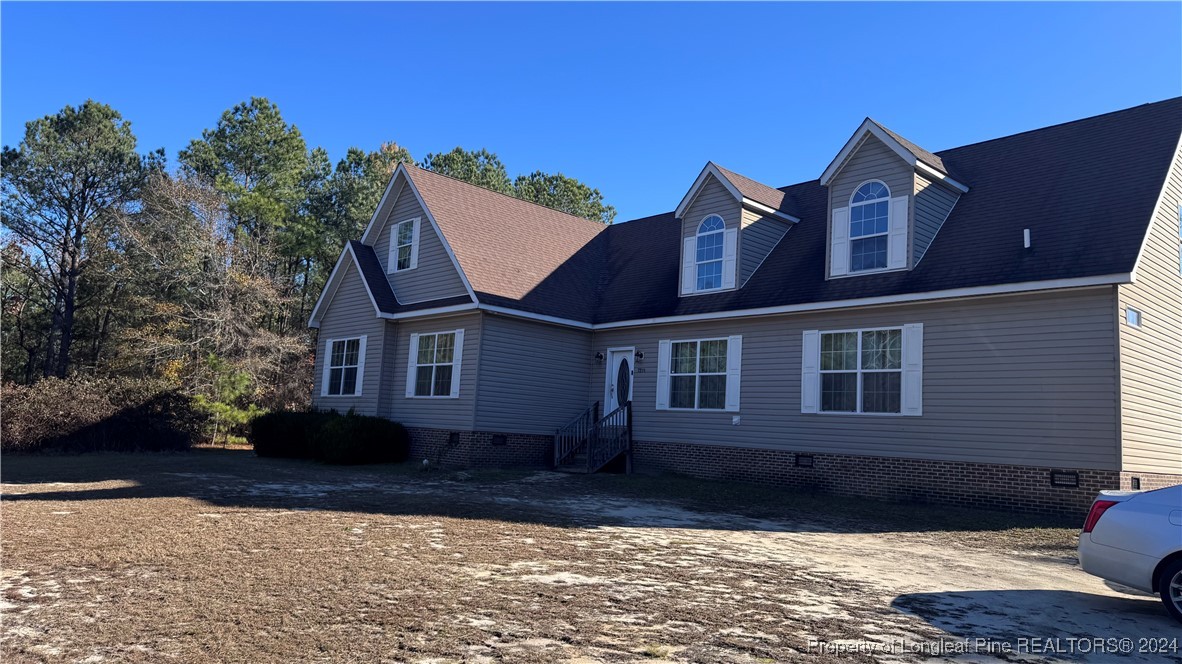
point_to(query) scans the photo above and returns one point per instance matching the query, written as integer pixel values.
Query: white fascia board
(760, 207)
(1161, 199)
(688, 199)
(867, 127)
(566, 322)
(422, 313)
(955, 293)
(333, 284)
(941, 177)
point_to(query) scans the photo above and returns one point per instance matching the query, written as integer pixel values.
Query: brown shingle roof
(921, 154)
(756, 191)
(506, 247)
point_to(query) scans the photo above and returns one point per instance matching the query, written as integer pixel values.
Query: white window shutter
(839, 247)
(392, 252)
(326, 367)
(410, 365)
(913, 369)
(414, 243)
(897, 236)
(360, 366)
(810, 372)
(688, 281)
(664, 353)
(734, 368)
(730, 244)
(455, 369)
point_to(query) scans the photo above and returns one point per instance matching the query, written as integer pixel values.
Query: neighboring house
(997, 324)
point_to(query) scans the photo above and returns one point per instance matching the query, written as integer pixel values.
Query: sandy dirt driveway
(226, 557)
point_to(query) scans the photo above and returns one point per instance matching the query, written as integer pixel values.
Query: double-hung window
(343, 367)
(873, 371)
(708, 257)
(699, 374)
(404, 246)
(434, 368)
(869, 224)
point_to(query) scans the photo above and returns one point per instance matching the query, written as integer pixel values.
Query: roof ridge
(1061, 124)
(511, 197)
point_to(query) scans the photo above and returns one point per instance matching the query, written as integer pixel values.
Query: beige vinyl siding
(1017, 380)
(933, 202)
(533, 376)
(758, 235)
(435, 275)
(350, 314)
(1151, 356)
(438, 412)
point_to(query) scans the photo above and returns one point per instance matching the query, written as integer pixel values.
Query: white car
(1134, 538)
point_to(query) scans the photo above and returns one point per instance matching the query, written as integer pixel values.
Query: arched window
(869, 223)
(709, 253)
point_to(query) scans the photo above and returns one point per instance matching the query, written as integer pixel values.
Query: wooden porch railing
(574, 435)
(610, 437)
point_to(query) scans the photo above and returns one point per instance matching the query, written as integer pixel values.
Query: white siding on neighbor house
(349, 315)
(533, 376)
(436, 412)
(1028, 380)
(1151, 356)
(933, 202)
(435, 275)
(870, 160)
(758, 236)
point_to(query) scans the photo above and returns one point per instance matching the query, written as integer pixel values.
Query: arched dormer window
(708, 259)
(869, 225)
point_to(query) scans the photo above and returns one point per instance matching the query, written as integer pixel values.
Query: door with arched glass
(618, 381)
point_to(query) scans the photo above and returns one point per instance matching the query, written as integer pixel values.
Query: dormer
(729, 224)
(887, 199)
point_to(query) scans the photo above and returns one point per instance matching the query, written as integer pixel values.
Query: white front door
(619, 379)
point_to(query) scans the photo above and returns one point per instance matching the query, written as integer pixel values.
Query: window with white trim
(708, 253)
(404, 246)
(872, 371)
(699, 374)
(434, 368)
(1133, 317)
(342, 367)
(869, 225)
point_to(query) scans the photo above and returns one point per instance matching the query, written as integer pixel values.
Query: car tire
(1169, 587)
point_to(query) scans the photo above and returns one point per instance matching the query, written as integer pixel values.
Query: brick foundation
(481, 449)
(1148, 481)
(992, 486)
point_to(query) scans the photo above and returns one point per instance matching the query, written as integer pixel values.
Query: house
(998, 324)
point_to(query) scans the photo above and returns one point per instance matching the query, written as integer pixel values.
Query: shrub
(97, 414)
(290, 435)
(355, 439)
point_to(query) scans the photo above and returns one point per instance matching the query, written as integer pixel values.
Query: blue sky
(633, 99)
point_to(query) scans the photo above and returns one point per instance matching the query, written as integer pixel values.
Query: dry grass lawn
(221, 556)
